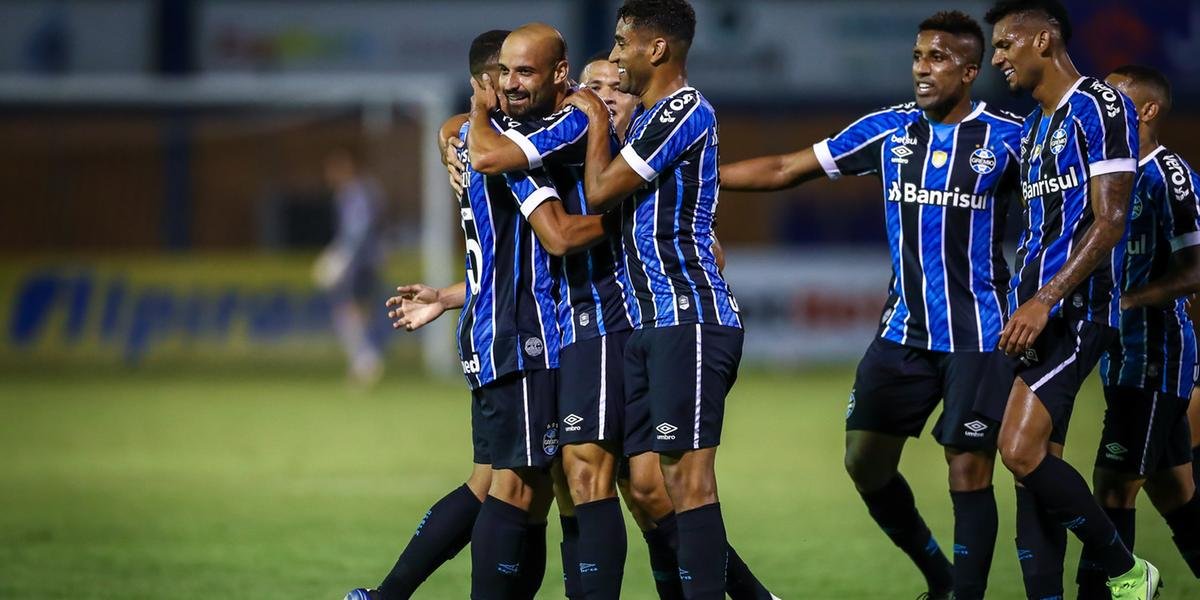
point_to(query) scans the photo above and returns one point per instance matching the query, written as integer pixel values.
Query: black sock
(1092, 580)
(701, 552)
(570, 557)
(443, 532)
(533, 561)
(602, 548)
(740, 583)
(662, 542)
(1065, 496)
(497, 547)
(895, 510)
(1185, 525)
(1041, 548)
(975, 525)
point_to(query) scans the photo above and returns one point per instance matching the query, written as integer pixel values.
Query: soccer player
(601, 77)
(949, 166)
(683, 355)
(1078, 159)
(1148, 373)
(508, 346)
(592, 317)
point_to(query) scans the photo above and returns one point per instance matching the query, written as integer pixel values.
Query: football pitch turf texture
(286, 484)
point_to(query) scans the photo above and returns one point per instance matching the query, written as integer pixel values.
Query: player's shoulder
(1002, 119)
(1176, 173)
(905, 112)
(682, 103)
(1093, 97)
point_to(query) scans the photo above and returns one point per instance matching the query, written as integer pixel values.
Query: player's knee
(969, 471)
(650, 497)
(864, 472)
(1019, 458)
(1112, 492)
(690, 488)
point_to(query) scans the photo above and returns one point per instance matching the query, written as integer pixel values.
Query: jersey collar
(980, 106)
(1067, 96)
(1150, 157)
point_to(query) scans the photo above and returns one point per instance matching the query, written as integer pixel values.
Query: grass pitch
(285, 484)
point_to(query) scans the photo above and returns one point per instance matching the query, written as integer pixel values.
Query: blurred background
(164, 162)
(180, 178)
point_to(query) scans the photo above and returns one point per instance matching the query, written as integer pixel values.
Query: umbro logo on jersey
(665, 430)
(975, 429)
(572, 422)
(902, 153)
(1050, 185)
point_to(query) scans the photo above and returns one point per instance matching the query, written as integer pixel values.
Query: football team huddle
(599, 338)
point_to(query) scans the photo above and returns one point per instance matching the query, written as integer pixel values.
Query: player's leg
(1041, 543)
(1194, 425)
(692, 368)
(591, 415)
(969, 443)
(1054, 484)
(895, 390)
(520, 414)
(569, 548)
(1172, 489)
(533, 553)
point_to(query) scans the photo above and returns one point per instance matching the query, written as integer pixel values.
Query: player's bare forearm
(1110, 196)
(768, 173)
(1181, 279)
(561, 233)
(454, 295)
(491, 152)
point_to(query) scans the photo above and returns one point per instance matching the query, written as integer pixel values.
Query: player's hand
(590, 103)
(483, 95)
(1025, 325)
(454, 167)
(415, 306)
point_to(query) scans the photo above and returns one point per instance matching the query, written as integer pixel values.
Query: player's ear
(660, 50)
(970, 73)
(562, 71)
(1041, 42)
(1149, 111)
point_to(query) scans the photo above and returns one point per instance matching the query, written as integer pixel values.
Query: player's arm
(416, 305)
(606, 180)
(448, 144)
(767, 173)
(1110, 194)
(559, 232)
(1181, 279)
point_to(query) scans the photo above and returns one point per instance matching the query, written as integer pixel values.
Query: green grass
(284, 484)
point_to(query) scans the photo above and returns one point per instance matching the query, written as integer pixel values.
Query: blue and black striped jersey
(946, 190)
(508, 321)
(591, 302)
(1093, 131)
(670, 272)
(1157, 348)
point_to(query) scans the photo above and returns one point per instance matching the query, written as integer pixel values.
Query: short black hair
(671, 18)
(958, 23)
(485, 48)
(1150, 78)
(1052, 10)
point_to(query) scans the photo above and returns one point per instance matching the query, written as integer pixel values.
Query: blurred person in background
(349, 267)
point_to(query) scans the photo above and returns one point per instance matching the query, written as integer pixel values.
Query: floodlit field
(285, 484)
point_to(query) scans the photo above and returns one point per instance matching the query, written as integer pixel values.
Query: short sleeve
(530, 189)
(540, 138)
(670, 129)
(855, 151)
(1180, 188)
(1109, 123)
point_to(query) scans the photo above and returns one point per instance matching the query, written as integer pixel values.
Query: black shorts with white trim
(898, 387)
(518, 416)
(1145, 431)
(676, 380)
(1054, 368)
(591, 389)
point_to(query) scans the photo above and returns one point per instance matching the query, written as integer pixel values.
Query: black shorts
(1055, 367)
(479, 440)
(897, 387)
(1144, 432)
(676, 380)
(517, 415)
(591, 390)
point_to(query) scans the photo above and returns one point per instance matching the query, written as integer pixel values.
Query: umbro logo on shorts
(572, 422)
(1115, 451)
(975, 429)
(665, 430)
